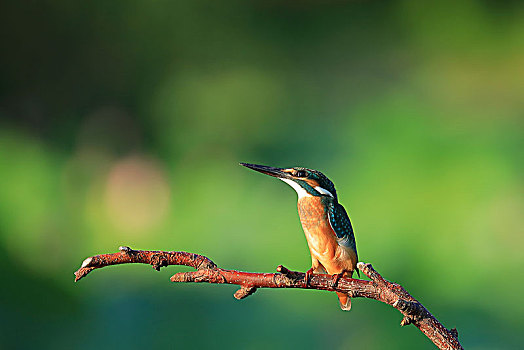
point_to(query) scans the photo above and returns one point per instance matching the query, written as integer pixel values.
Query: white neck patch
(300, 191)
(324, 191)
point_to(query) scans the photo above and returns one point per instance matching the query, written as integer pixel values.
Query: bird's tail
(344, 300)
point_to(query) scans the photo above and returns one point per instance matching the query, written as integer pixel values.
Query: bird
(325, 222)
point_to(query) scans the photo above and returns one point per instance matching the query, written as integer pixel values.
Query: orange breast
(315, 222)
(321, 239)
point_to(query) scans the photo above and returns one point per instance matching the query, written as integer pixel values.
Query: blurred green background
(123, 122)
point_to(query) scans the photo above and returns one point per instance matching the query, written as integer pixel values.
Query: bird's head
(307, 182)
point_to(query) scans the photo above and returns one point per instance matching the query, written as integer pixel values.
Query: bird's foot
(335, 278)
(308, 276)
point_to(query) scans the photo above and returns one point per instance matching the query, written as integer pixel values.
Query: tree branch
(207, 271)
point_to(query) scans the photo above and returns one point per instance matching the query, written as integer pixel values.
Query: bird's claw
(308, 276)
(334, 279)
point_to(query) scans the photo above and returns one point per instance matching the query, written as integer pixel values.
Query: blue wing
(339, 220)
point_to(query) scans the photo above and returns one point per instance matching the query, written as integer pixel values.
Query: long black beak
(268, 170)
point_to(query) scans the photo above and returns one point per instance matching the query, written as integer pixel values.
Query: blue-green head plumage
(303, 180)
(314, 182)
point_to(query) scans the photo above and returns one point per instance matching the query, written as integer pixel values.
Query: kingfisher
(326, 224)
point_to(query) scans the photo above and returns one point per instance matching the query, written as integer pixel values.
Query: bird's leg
(308, 275)
(335, 278)
(316, 267)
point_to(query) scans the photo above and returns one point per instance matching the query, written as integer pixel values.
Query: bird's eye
(300, 173)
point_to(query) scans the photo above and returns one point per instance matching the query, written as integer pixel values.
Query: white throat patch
(300, 191)
(324, 191)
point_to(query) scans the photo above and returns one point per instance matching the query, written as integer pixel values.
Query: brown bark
(207, 271)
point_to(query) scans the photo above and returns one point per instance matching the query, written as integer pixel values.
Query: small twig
(207, 271)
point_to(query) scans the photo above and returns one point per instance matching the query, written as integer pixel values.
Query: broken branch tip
(86, 262)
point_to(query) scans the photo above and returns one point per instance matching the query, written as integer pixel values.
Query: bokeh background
(123, 122)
